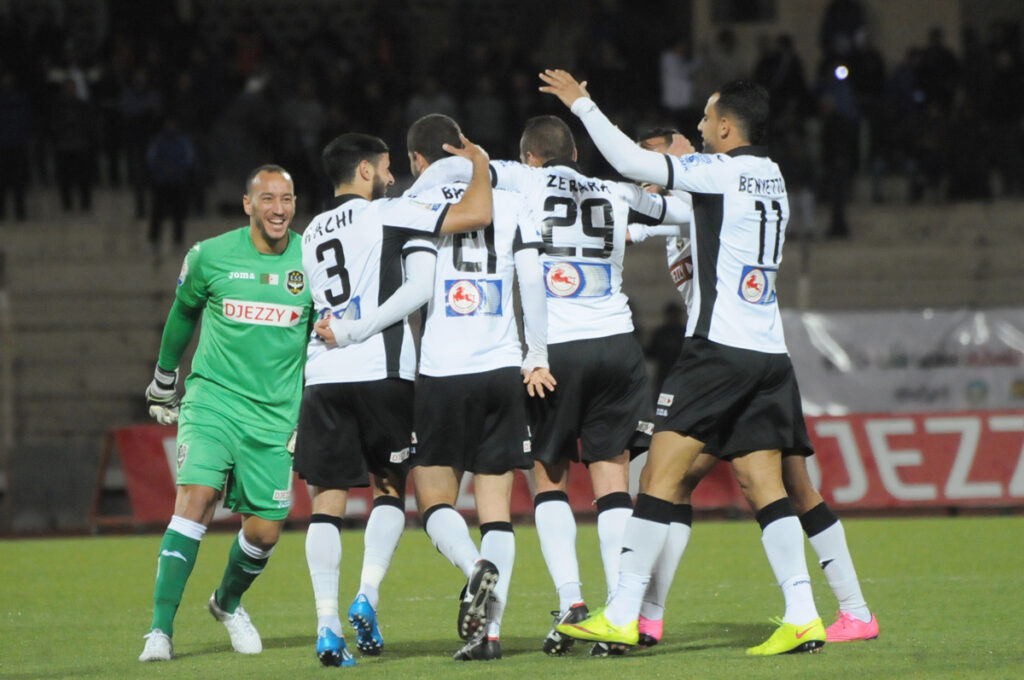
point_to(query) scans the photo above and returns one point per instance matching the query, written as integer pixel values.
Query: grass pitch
(947, 593)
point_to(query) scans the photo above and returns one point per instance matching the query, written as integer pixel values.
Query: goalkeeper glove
(162, 398)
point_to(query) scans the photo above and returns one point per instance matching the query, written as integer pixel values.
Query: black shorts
(347, 430)
(734, 400)
(603, 399)
(474, 422)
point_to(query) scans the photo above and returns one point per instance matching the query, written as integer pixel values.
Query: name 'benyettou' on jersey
(584, 234)
(352, 255)
(471, 322)
(740, 209)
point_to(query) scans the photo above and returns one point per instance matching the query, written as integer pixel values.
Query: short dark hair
(428, 134)
(344, 153)
(748, 103)
(656, 132)
(267, 167)
(547, 137)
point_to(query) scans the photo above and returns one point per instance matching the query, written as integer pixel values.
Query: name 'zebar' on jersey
(262, 313)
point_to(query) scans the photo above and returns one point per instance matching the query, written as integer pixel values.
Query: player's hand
(473, 152)
(561, 84)
(162, 397)
(680, 146)
(323, 329)
(538, 380)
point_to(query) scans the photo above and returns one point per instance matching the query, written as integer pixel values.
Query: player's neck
(366, 191)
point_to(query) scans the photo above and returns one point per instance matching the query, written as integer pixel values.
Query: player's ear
(247, 204)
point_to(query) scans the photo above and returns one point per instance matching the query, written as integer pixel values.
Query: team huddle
(306, 362)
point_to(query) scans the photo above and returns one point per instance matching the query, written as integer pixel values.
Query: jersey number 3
(337, 270)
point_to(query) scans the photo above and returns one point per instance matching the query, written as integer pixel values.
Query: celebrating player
(603, 397)
(470, 407)
(357, 407)
(240, 405)
(732, 392)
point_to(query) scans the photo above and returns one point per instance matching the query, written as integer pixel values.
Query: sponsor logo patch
(666, 399)
(661, 412)
(465, 297)
(296, 282)
(399, 456)
(645, 427)
(757, 285)
(527, 446)
(262, 313)
(577, 279)
(282, 494)
(248, 276)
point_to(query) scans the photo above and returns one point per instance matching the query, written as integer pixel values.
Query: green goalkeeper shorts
(252, 465)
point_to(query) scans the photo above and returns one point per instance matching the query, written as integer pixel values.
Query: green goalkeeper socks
(174, 566)
(241, 570)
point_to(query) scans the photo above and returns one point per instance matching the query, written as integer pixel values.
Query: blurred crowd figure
(947, 117)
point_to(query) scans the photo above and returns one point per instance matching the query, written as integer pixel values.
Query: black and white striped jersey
(352, 255)
(583, 227)
(740, 210)
(471, 322)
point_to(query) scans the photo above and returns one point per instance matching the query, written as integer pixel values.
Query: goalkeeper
(241, 402)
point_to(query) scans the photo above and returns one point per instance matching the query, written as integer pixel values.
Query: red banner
(863, 461)
(878, 461)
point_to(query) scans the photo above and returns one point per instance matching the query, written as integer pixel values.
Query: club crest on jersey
(757, 285)
(296, 282)
(463, 297)
(182, 454)
(563, 279)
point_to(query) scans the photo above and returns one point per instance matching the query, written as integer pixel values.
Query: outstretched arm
(410, 296)
(619, 150)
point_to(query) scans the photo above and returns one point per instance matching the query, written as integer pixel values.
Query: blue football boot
(364, 620)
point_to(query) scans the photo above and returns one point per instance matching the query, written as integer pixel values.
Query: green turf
(947, 592)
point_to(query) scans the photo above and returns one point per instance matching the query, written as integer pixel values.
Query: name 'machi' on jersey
(471, 323)
(352, 255)
(740, 211)
(583, 229)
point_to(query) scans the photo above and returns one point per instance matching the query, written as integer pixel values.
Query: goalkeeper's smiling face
(270, 205)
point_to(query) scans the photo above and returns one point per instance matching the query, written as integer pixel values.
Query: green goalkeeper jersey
(255, 325)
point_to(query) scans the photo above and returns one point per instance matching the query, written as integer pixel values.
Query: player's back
(741, 209)
(354, 264)
(583, 228)
(471, 325)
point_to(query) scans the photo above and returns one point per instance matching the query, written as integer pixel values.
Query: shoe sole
(474, 616)
(810, 647)
(556, 644)
(365, 641)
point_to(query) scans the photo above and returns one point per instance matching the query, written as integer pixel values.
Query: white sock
(556, 529)
(450, 535)
(783, 543)
(643, 541)
(611, 525)
(383, 529)
(653, 606)
(499, 546)
(323, 556)
(834, 557)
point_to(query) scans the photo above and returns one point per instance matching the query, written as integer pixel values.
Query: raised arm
(474, 211)
(618, 149)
